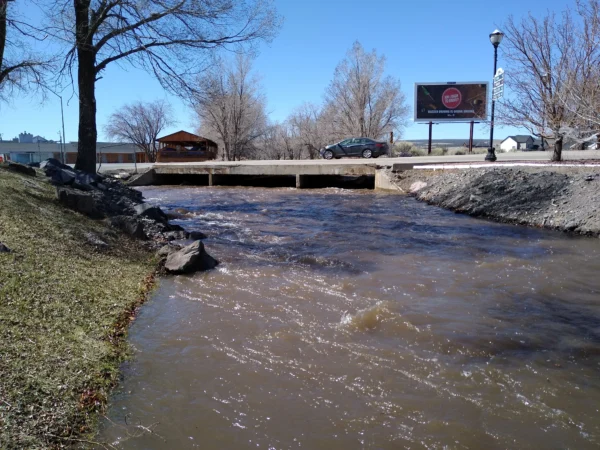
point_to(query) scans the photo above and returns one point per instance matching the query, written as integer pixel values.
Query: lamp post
(63, 144)
(495, 38)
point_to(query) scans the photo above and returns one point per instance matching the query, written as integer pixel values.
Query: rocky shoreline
(559, 198)
(106, 197)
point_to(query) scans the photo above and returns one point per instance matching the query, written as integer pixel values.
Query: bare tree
(140, 123)
(287, 138)
(364, 102)
(546, 57)
(231, 107)
(312, 127)
(20, 68)
(268, 145)
(581, 95)
(168, 38)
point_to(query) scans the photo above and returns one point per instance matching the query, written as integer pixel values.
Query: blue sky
(435, 40)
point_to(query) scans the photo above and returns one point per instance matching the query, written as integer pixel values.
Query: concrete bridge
(365, 173)
(300, 174)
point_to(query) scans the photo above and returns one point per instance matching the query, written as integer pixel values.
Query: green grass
(64, 311)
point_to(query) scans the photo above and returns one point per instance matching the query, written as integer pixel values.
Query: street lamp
(495, 38)
(63, 144)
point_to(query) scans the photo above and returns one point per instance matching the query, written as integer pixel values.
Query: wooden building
(185, 147)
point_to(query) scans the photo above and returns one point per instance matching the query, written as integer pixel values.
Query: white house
(518, 142)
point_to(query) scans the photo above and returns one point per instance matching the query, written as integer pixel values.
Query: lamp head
(496, 37)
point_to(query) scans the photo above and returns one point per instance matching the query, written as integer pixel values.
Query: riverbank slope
(69, 286)
(560, 198)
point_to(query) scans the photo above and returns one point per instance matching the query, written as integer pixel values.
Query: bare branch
(140, 123)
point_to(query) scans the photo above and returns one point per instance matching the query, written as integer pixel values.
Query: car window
(367, 141)
(346, 142)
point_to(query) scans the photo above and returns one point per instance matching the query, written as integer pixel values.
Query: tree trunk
(86, 79)
(3, 8)
(558, 145)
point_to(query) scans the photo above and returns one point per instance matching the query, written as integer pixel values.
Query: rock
(21, 168)
(4, 248)
(417, 186)
(123, 176)
(190, 259)
(61, 177)
(86, 181)
(151, 212)
(79, 201)
(53, 163)
(174, 235)
(196, 235)
(94, 240)
(166, 250)
(129, 225)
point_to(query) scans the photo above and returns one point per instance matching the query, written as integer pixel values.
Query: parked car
(365, 147)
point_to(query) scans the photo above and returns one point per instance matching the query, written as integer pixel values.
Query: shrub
(417, 152)
(401, 148)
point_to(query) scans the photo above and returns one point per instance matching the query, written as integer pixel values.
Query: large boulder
(85, 181)
(129, 225)
(165, 250)
(192, 258)
(21, 168)
(61, 177)
(79, 201)
(151, 212)
(52, 163)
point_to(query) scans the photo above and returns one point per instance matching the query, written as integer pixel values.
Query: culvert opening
(268, 181)
(181, 179)
(337, 181)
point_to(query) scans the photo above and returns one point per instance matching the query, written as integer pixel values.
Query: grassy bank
(64, 308)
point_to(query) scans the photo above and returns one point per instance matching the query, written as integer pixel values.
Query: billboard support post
(429, 143)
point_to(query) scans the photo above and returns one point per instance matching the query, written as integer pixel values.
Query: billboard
(451, 102)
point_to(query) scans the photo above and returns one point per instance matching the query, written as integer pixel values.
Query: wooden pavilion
(185, 147)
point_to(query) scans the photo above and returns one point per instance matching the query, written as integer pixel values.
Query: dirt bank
(560, 198)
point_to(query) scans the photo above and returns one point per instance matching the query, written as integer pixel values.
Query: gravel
(560, 198)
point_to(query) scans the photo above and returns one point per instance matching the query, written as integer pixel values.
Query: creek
(343, 319)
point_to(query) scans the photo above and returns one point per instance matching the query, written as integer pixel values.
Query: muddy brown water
(347, 320)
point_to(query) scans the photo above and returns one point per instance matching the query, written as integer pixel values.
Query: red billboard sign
(450, 102)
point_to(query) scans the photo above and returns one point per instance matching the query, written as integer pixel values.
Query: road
(502, 157)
